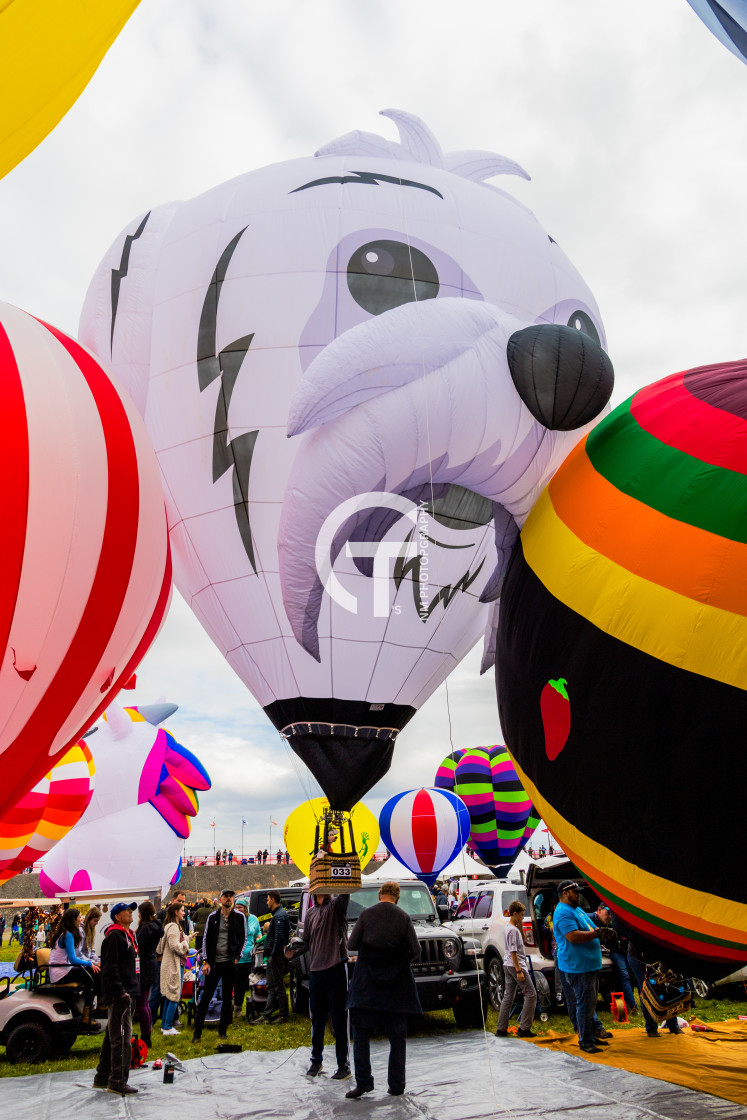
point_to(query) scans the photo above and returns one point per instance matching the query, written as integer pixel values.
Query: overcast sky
(628, 116)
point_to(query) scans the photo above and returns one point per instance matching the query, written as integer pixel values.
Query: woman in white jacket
(174, 946)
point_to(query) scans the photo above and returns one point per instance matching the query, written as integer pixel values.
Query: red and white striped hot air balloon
(85, 572)
(426, 829)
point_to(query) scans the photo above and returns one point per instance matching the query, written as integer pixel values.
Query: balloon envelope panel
(623, 658)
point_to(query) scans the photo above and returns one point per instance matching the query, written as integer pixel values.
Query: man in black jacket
(225, 934)
(119, 981)
(278, 937)
(382, 992)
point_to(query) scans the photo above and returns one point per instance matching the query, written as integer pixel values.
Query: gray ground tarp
(468, 1077)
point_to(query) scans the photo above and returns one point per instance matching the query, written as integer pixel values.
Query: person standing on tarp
(323, 936)
(225, 934)
(120, 967)
(382, 992)
(516, 972)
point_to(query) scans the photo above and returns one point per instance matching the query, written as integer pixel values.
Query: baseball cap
(567, 885)
(227, 891)
(120, 906)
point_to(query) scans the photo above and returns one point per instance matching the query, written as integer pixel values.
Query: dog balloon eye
(386, 274)
(584, 323)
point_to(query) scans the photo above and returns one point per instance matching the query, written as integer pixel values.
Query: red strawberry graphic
(555, 707)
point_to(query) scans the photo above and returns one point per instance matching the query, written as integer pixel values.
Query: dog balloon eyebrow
(369, 178)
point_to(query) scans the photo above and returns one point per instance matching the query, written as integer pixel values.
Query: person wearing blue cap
(120, 966)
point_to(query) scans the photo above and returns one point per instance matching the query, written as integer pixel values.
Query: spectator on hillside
(259, 855)
(279, 856)
(265, 854)
(287, 857)
(15, 930)
(230, 857)
(225, 856)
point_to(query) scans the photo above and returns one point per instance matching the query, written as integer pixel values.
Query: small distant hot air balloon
(130, 837)
(623, 661)
(501, 815)
(43, 816)
(300, 829)
(426, 829)
(358, 371)
(85, 564)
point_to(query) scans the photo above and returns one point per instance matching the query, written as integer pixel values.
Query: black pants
(241, 985)
(225, 971)
(276, 995)
(394, 1026)
(328, 992)
(116, 1052)
(85, 978)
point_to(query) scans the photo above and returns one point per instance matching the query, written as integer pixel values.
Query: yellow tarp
(49, 51)
(713, 1062)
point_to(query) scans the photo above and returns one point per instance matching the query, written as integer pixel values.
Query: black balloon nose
(563, 376)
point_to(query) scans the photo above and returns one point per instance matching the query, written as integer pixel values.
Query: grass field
(297, 1033)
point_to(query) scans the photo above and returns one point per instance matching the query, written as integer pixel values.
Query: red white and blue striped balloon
(425, 829)
(85, 575)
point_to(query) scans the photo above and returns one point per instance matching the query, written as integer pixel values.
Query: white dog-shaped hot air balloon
(131, 835)
(359, 370)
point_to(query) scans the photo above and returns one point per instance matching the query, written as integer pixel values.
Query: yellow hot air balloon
(49, 52)
(300, 830)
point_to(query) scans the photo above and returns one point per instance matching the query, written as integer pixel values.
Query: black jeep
(448, 972)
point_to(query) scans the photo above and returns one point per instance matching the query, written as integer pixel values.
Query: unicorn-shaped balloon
(130, 837)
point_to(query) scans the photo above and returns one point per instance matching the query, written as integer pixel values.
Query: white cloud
(628, 117)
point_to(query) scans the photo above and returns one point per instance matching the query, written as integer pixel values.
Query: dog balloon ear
(563, 376)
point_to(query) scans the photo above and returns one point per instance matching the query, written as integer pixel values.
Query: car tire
(299, 996)
(29, 1043)
(496, 981)
(469, 1013)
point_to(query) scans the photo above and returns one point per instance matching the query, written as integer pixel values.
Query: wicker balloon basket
(334, 872)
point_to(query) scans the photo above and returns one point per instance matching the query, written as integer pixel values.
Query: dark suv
(448, 973)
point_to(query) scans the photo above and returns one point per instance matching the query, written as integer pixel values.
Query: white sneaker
(171, 1030)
